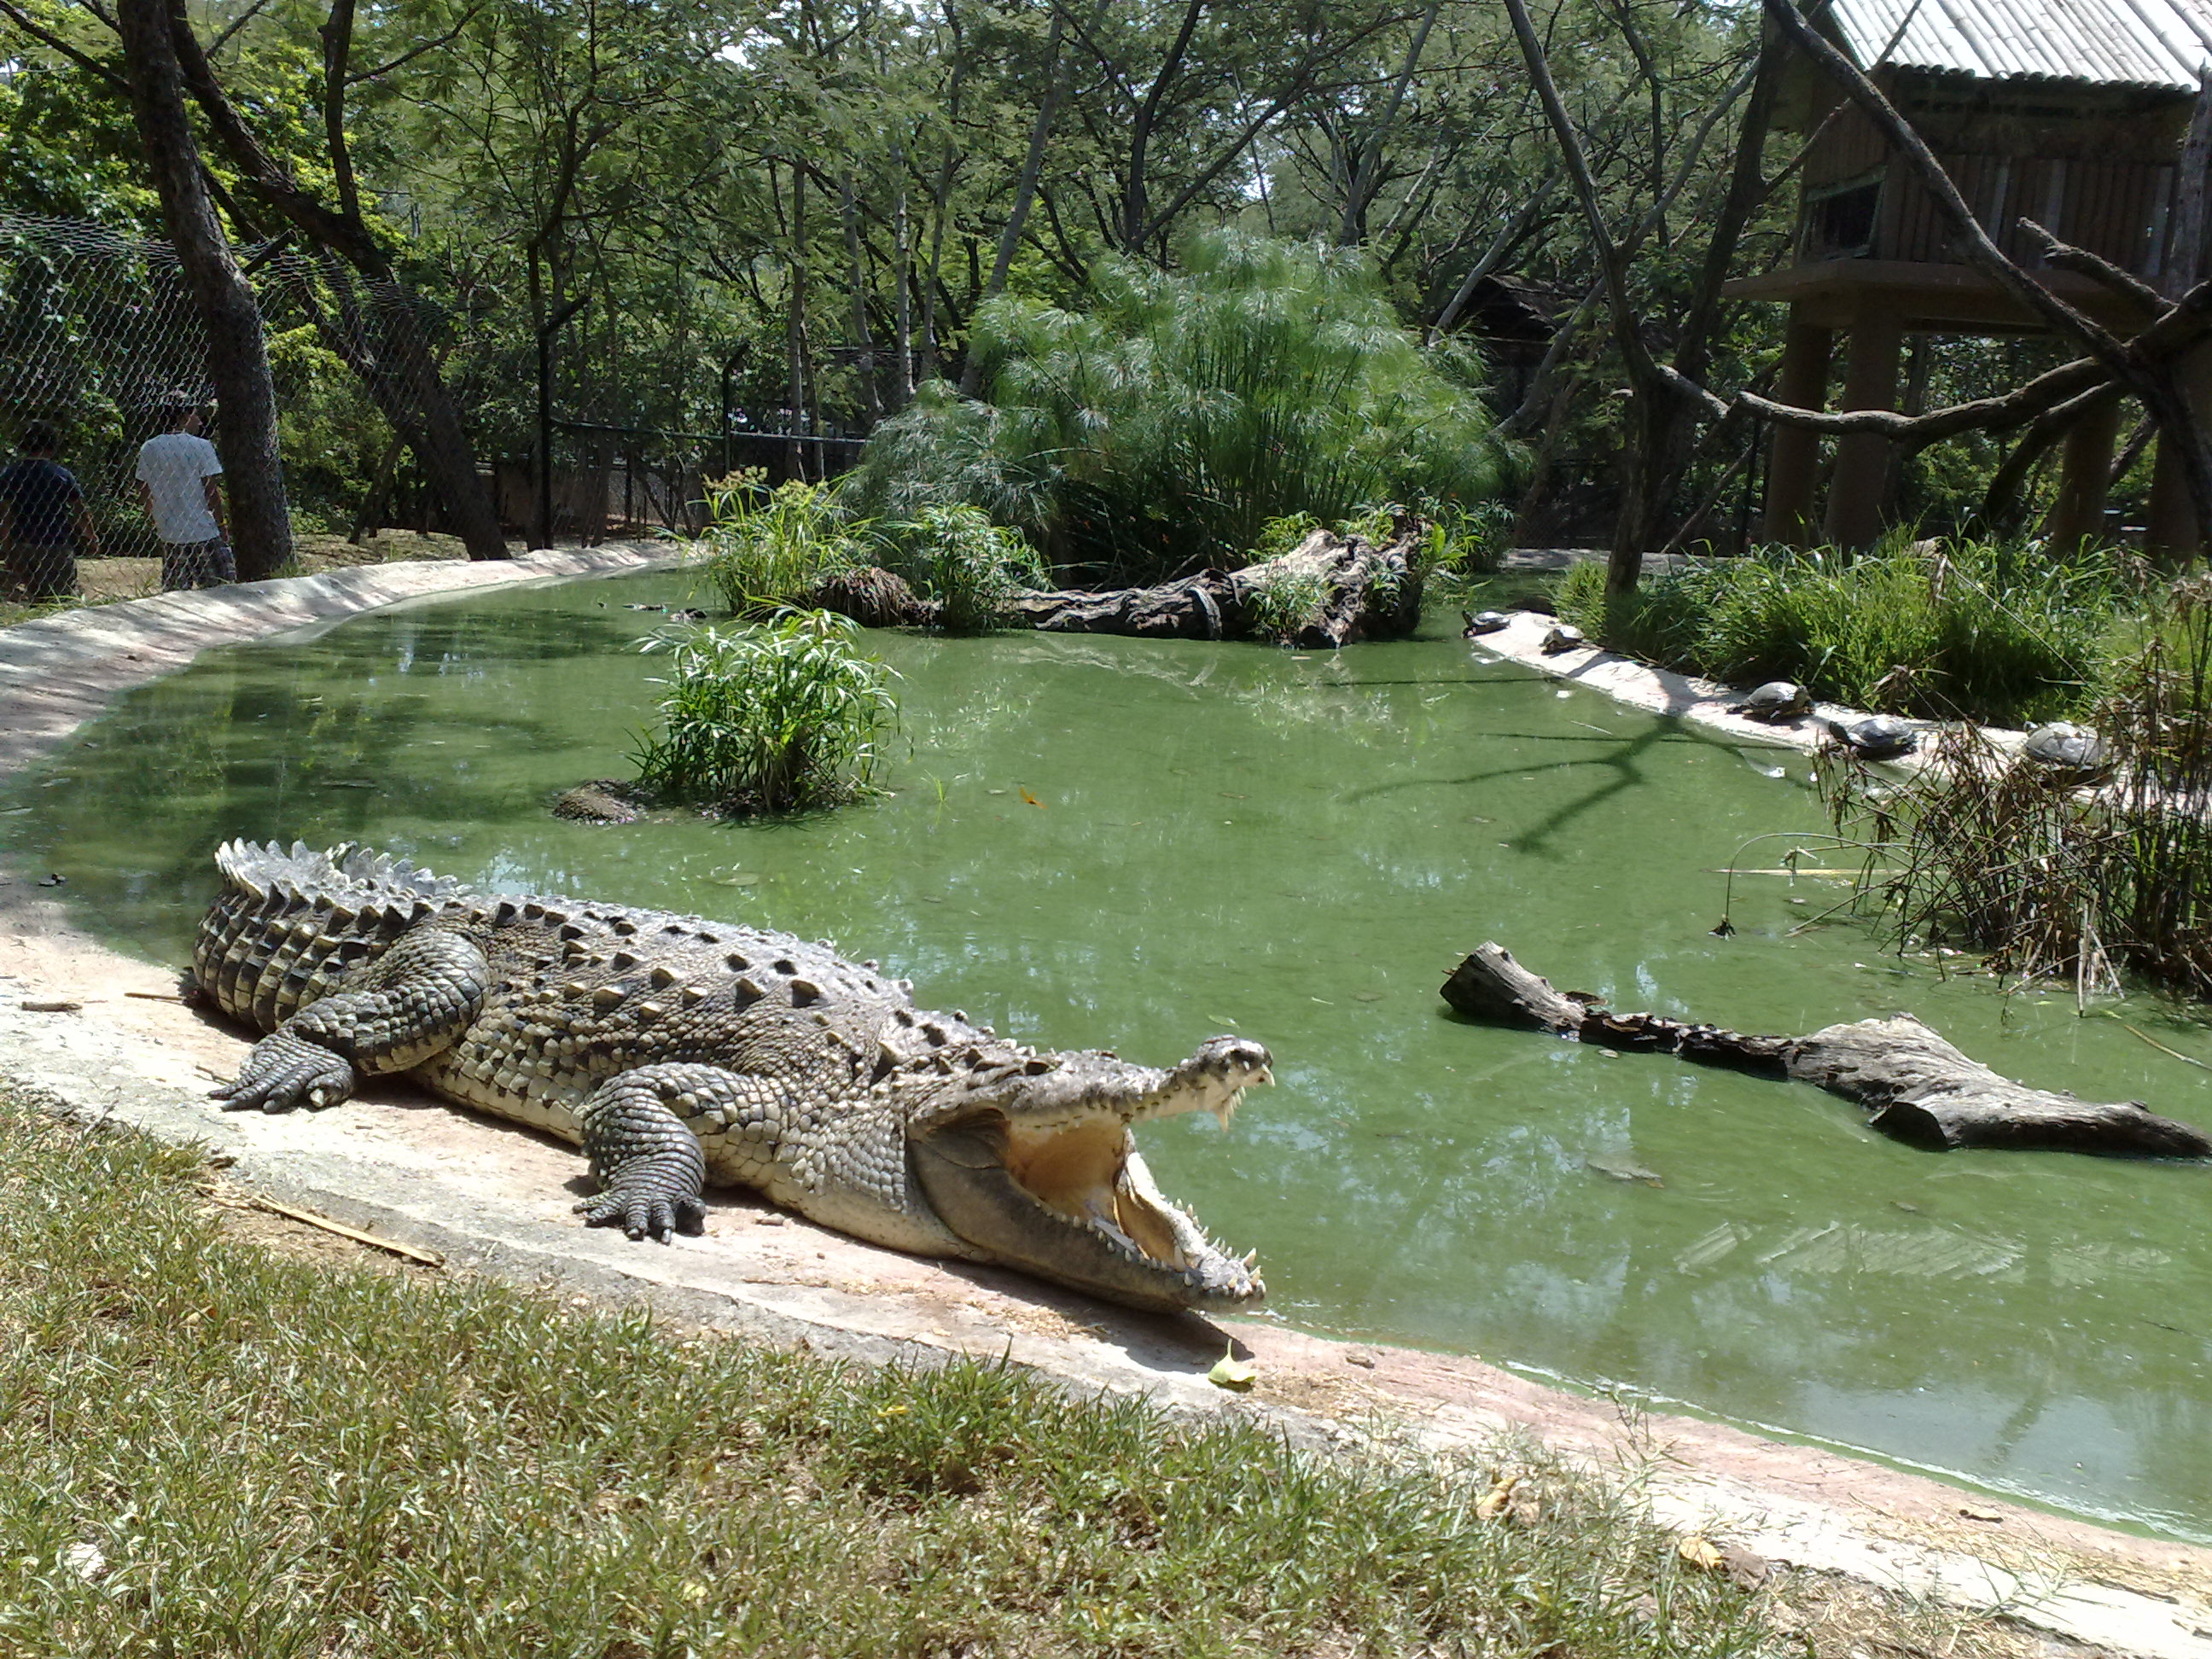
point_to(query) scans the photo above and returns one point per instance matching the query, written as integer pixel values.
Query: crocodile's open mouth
(1060, 1188)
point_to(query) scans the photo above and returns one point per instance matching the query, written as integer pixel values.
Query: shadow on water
(1137, 844)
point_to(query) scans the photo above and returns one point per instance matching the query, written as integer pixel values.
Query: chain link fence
(98, 332)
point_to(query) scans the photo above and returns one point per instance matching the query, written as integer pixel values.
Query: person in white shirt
(179, 482)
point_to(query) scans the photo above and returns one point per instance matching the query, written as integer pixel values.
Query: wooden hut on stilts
(2092, 118)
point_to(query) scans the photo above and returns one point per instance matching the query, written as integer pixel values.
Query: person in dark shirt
(42, 521)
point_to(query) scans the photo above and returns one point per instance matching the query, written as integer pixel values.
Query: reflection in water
(1136, 844)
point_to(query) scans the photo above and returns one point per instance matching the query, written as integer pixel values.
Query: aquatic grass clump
(776, 717)
(2054, 878)
(2004, 633)
(969, 569)
(770, 548)
(1285, 601)
(208, 1447)
(1163, 425)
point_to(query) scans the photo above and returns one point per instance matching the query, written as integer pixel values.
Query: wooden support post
(2171, 535)
(1857, 503)
(2078, 515)
(1794, 453)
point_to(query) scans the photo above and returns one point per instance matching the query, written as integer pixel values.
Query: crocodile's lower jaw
(1077, 1204)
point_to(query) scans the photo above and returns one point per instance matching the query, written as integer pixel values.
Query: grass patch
(2007, 634)
(206, 1448)
(777, 718)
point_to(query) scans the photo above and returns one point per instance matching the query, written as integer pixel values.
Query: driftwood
(1365, 592)
(1917, 1088)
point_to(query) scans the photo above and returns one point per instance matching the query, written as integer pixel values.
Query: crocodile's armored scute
(679, 1051)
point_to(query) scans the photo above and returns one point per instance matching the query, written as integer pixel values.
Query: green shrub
(1987, 631)
(1286, 602)
(1169, 421)
(971, 568)
(771, 719)
(768, 549)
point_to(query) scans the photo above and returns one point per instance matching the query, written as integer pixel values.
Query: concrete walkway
(93, 1033)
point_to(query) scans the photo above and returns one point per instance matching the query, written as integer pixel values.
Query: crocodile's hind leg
(639, 1132)
(394, 1012)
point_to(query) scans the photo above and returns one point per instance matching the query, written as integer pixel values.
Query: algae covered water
(1136, 844)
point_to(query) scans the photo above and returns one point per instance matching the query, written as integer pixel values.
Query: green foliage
(1286, 601)
(776, 717)
(968, 567)
(767, 548)
(2050, 879)
(2004, 632)
(1181, 411)
(209, 1448)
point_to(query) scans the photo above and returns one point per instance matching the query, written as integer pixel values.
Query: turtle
(1483, 622)
(1874, 737)
(1564, 636)
(1774, 701)
(2065, 749)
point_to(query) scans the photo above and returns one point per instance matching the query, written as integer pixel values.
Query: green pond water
(1297, 848)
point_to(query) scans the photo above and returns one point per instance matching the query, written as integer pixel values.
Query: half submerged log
(1916, 1087)
(1359, 592)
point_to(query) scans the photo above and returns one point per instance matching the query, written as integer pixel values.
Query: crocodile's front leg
(396, 1012)
(645, 1154)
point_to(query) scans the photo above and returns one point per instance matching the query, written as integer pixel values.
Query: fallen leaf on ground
(1231, 1372)
(1493, 1501)
(1701, 1552)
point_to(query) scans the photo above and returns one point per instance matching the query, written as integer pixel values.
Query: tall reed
(2050, 878)
(1169, 421)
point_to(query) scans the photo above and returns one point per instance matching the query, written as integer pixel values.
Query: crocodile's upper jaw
(1042, 1173)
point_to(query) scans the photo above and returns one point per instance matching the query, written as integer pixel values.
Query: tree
(237, 358)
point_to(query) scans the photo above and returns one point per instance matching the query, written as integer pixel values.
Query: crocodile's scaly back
(288, 925)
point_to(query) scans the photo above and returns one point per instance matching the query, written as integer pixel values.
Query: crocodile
(678, 1050)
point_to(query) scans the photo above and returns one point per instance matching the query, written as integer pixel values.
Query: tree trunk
(1010, 235)
(432, 421)
(1916, 1087)
(1365, 592)
(238, 356)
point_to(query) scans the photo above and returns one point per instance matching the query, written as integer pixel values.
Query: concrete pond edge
(97, 1036)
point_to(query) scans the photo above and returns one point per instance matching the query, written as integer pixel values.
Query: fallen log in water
(1351, 589)
(1918, 1087)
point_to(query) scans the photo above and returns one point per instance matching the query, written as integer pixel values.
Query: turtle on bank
(2065, 749)
(1563, 637)
(1774, 701)
(1483, 622)
(1874, 737)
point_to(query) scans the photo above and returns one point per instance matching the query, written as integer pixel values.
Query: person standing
(179, 482)
(43, 519)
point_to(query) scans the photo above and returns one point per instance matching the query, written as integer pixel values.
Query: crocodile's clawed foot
(645, 1209)
(284, 1072)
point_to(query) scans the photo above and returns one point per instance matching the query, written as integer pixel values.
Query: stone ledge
(58, 671)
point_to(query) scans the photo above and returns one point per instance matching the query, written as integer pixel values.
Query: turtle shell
(1563, 637)
(1877, 737)
(1483, 622)
(2064, 747)
(1776, 700)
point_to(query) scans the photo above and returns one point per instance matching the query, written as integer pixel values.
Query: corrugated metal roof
(2147, 43)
